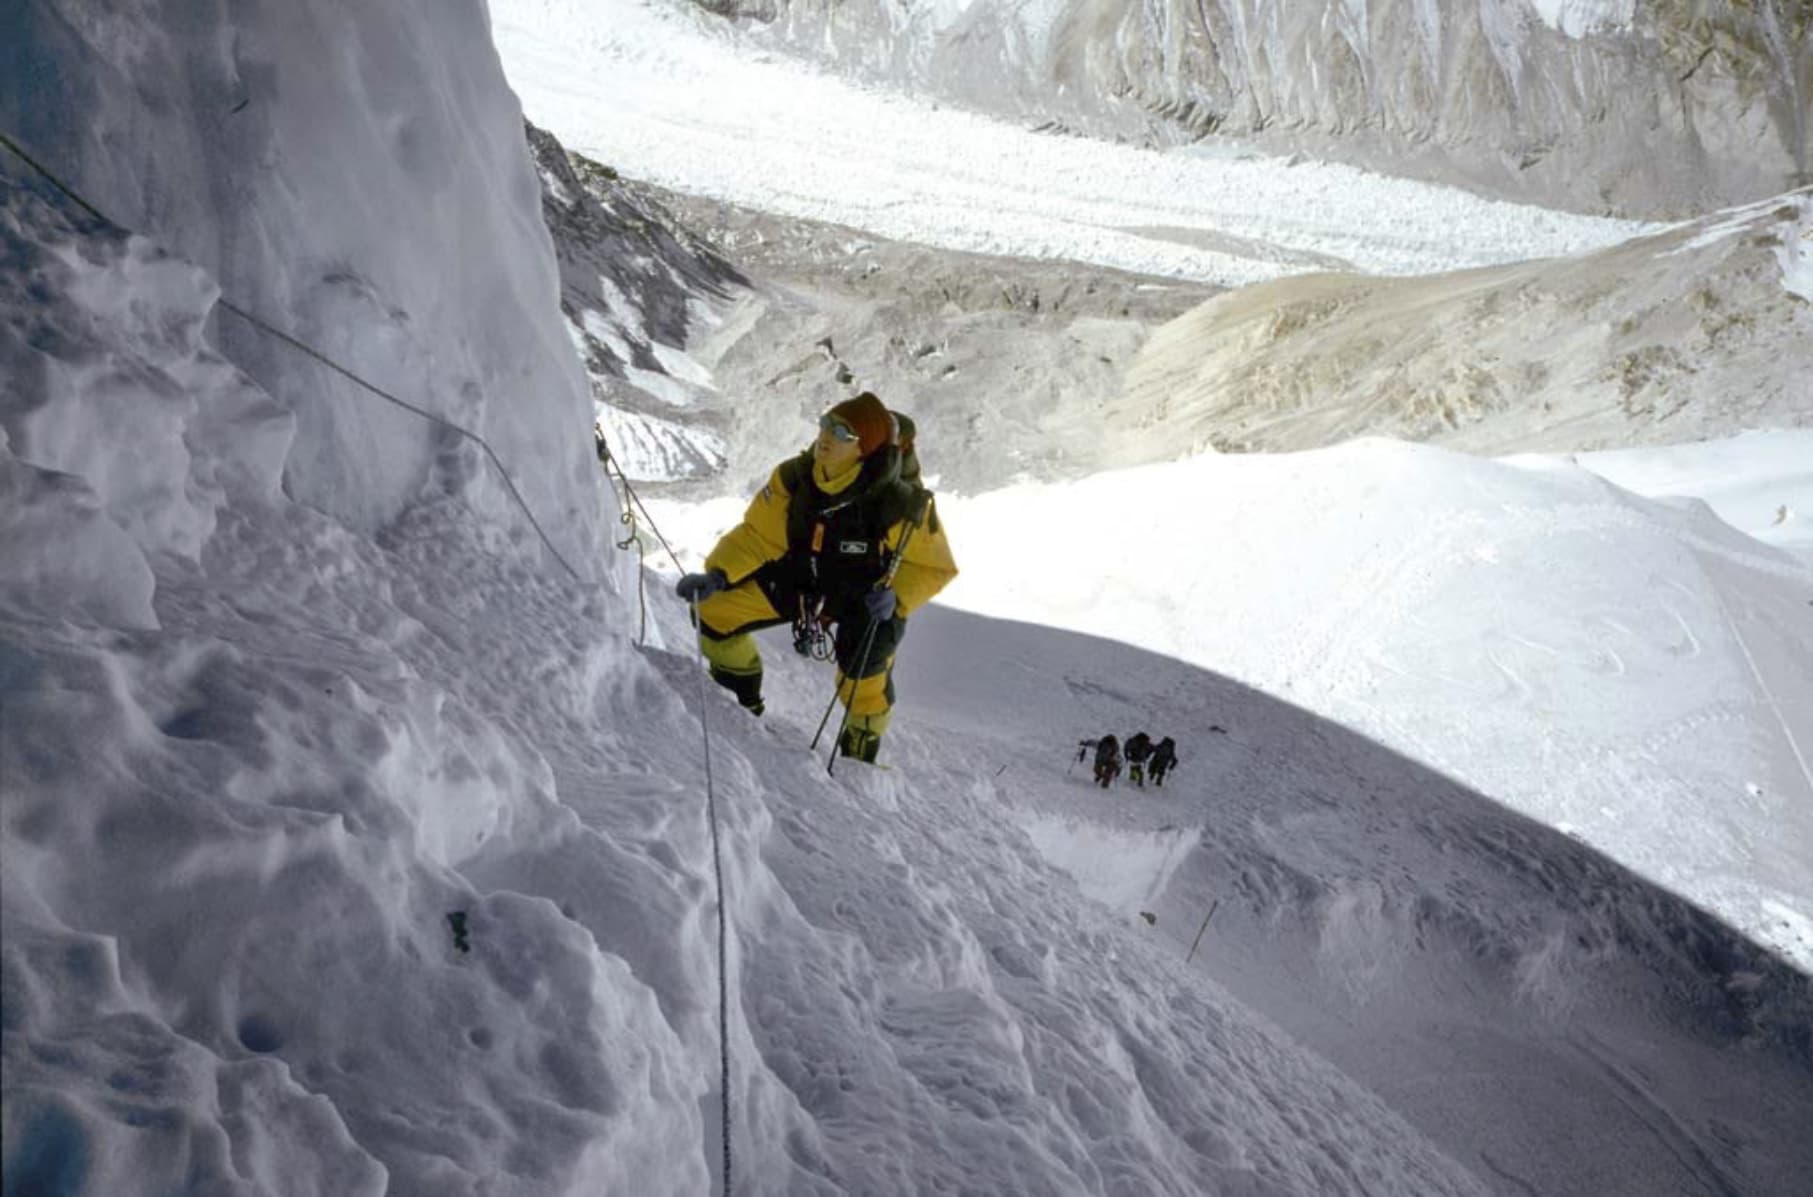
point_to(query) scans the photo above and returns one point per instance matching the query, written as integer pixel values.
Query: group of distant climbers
(1141, 754)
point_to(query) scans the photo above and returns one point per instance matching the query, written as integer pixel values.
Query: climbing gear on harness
(809, 637)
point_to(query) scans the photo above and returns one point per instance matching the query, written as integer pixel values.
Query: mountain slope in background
(1698, 332)
(1654, 109)
(1055, 370)
(637, 288)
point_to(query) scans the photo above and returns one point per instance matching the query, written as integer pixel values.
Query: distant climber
(1139, 747)
(1162, 760)
(1107, 758)
(814, 549)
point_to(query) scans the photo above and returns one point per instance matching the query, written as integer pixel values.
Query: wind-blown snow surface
(643, 89)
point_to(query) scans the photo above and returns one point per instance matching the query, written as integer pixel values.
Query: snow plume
(355, 175)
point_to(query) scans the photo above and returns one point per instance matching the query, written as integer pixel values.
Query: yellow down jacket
(762, 537)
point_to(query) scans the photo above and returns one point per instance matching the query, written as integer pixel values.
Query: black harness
(837, 544)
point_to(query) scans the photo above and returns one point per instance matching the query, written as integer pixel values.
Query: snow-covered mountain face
(270, 149)
(1649, 108)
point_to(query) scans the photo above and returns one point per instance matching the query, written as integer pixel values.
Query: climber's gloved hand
(693, 587)
(880, 604)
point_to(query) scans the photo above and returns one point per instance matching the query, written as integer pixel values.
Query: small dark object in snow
(456, 919)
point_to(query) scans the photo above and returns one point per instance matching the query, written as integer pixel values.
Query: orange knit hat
(869, 418)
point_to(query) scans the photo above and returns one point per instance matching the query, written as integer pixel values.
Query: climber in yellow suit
(814, 549)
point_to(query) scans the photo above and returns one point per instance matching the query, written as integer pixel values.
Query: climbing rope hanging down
(510, 483)
(614, 474)
(717, 868)
(633, 504)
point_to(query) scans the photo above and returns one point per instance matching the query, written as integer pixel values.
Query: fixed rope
(509, 482)
(628, 519)
(635, 501)
(615, 475)
(266, 327)
(717, 868)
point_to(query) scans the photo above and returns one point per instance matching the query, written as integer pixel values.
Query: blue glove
(880, 604)
(693, 587)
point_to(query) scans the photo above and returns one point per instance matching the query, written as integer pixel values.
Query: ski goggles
(837, 428)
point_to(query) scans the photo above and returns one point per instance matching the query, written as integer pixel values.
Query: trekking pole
(862, 663)
(868, 640)
(835, 691)
(1201, 929)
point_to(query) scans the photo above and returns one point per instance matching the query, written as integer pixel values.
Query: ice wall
(356, 175)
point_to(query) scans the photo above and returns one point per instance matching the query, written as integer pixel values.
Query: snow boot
(746, 686)
(859, 743)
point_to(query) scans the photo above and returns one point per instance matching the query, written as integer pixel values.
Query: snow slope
(352, 846)
(1538, 1011)
(249, 789)
(1636, 674)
